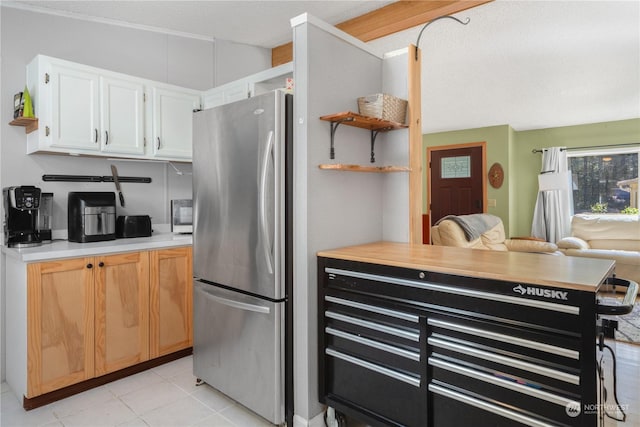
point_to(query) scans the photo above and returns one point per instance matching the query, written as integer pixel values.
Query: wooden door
(171, 323)
(122, 311)
(60, 324)
(457, 184)
(121, 116)
(75, 108)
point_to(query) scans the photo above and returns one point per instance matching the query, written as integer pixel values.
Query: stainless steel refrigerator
(242, 258)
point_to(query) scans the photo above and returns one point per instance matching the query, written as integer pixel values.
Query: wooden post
(415, 145)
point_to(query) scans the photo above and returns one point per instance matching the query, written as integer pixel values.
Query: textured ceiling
(260, 23)
(529, 64)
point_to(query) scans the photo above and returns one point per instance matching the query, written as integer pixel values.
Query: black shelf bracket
(374, 135)
(334, 127)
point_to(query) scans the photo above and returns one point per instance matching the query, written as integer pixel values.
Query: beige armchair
(461, 231)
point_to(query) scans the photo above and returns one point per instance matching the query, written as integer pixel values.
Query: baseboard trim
(47, 398)
(317, 421)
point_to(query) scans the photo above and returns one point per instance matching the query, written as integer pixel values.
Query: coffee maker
(20, 213)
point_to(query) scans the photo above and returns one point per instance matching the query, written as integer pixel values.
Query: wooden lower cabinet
(171, 326)
(87, 317)
(60, 324)
(121, 311)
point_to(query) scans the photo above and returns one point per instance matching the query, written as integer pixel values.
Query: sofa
(449, 232)
(614, 236)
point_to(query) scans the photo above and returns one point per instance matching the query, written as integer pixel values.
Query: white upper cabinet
(83, 110)
(121, 116)
(173, 122)
(87, 110)
(74, 112)
(255, 84)
(225, 94)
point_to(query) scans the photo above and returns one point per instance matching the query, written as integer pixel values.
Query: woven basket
(383, 106)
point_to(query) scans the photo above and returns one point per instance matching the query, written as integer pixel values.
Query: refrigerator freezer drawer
(238, 345)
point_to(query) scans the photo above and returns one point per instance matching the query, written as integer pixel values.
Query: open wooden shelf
(359, 168)
(357, 120)
(349, 118)
(30, 123)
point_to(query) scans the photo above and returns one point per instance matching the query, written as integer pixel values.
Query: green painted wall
(498, 141)
(515, 200)
(528, 164)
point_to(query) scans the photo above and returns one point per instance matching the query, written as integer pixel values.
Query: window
(605, 181)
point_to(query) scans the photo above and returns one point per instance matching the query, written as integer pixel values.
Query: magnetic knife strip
(95, 178)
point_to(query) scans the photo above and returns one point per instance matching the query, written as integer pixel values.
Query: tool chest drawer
(374, 357)
(459, 350)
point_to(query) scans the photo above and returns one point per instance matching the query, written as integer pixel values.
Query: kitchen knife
(114, 172)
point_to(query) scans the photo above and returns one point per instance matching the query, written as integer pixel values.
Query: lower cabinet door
(122, 311)
(60, 323)
(171, 301)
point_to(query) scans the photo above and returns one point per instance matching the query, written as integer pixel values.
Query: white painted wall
(238, 60)
(333, 208)
(190, 63)
(394, 150)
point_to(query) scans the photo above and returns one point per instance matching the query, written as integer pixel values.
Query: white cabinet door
(74, 108)
(225, 94)
(236, 92)
(212, 98)
(173, 123)
(121, 116)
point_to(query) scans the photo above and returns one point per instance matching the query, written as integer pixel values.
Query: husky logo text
(546, 293)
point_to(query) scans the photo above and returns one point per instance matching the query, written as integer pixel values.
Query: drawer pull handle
(373, 367)
(442, 391)
(507, 361)
(372, 308)
(374, 344)
(491, 379)
(413, 336)
(510, 339)
(89, 265)
(458, 291)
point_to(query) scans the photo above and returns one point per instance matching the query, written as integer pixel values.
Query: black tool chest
(399, 346)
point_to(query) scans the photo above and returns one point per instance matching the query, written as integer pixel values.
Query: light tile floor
(162, 396)
(628, 382)
(167, 396)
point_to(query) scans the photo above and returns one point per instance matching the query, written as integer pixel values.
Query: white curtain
(554, 206)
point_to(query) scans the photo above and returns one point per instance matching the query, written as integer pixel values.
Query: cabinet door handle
(158, 138)
(89, 265)
(101, 264)
(95, 138)
(106, 137)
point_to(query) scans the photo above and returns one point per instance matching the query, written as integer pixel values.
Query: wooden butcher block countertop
(583, 274)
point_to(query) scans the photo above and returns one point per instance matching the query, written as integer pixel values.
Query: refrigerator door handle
(266, 245)
(236, 304)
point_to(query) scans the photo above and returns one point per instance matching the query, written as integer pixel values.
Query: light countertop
(60, 249)
(584, 274)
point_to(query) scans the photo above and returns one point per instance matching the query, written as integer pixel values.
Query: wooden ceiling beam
(387, 20)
